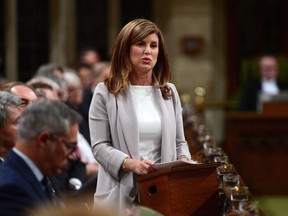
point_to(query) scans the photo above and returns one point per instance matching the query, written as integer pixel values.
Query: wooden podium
(185, 189)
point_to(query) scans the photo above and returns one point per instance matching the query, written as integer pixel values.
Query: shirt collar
(38, 174)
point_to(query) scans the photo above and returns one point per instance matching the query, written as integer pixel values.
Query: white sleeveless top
(149, 122)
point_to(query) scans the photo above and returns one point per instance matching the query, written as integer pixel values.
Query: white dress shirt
(38, 174)
(270, 87)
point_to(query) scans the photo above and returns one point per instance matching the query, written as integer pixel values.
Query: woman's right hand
(139, 167)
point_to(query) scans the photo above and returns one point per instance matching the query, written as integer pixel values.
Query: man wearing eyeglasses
(47, 135)
(76, 169)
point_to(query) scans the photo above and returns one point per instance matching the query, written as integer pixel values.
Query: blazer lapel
(127, 125)
(26, 172)
(168, 126)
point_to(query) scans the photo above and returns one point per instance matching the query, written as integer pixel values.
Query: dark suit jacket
(249, 97)
(20, 191)
(84, 125)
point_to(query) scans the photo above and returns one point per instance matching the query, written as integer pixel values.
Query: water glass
(249, 209)
(224, 159)
(230, 180)
(238, 197)
(212, 152)
(222, 170)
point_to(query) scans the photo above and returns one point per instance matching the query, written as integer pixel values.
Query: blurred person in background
(9, 118)
(74, 100)
(267, 84)
(46, 86)
(99, 74)
(49, 69)
(84, 73)
(88, 60)
(89, 56)
(45, 90)
(25, 92)
(55, 73)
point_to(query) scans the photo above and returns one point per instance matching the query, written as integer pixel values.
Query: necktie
(48, 188)
(50, 192)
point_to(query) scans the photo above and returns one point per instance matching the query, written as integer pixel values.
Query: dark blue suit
(20, 191)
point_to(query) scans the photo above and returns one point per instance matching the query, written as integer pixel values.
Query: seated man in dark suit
(9, 117)
(75, 169)
(268, 84)
(46, 137)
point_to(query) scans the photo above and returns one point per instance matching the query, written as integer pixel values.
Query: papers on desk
(173, 164)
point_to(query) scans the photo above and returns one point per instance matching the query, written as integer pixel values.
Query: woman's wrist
(183, 156)
(124, 163)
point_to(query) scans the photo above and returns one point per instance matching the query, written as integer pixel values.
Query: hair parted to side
(121, 66)
(46, 115)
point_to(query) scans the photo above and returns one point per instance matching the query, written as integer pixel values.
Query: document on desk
(173, 164)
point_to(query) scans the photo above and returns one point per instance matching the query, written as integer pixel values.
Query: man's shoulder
(9, 175)
(14, 171)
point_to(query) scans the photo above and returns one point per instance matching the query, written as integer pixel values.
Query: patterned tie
(48, 188)
(50, 192)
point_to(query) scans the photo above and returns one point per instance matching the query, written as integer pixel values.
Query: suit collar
(19, 165)
(33, 167)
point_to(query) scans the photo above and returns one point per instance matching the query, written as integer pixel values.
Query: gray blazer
(114, 136)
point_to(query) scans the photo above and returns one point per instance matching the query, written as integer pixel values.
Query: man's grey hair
(7, 100)
(46, 115)
(71, 78)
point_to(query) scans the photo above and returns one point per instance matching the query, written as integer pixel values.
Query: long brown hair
(131, 33)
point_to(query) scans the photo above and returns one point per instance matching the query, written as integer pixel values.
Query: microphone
(75, 184)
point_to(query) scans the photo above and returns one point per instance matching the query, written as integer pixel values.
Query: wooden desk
(181, 191)
(257, 145)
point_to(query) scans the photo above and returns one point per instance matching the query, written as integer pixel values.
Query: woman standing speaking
(135, 116)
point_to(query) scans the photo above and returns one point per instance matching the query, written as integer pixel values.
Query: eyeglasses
(24, 102)
(71, 146)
